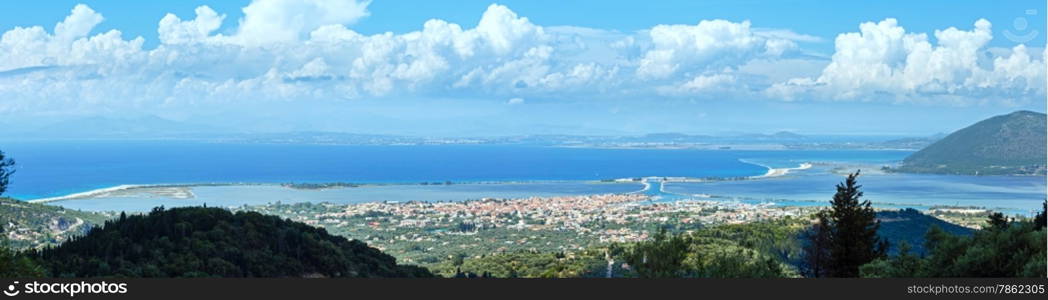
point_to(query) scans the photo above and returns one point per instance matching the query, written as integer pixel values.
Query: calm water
(1013, 194)
(48, 169)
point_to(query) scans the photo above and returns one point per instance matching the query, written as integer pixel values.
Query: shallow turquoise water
(1013, 194)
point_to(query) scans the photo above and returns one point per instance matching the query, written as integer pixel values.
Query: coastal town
(428, 232)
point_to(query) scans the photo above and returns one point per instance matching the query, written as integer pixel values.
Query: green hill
(31, 225)
(1009, 144)
(198, 241)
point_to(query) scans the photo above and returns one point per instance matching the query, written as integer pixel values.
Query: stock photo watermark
(1021, 31)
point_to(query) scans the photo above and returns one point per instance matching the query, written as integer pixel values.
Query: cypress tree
(6, 169)
(853, 230)
(817, 248)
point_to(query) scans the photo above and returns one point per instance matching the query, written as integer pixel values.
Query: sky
(469, 68)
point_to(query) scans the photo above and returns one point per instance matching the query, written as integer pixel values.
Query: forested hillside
(198, 241)
(1007, 144)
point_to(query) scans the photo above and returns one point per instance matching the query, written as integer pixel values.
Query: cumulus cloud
(882, 60)
(68, 44)
(78, 24)
(715, 43)
(267, 21)
(307, 50)
(173, 30)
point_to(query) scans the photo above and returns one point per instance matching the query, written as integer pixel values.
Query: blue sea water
(49, 169)
(1011, 194)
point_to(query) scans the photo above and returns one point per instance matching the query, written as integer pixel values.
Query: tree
(6, 169)
(662, 257)
(816, 255)
(902, 265)
(997, 221)
(852, 229)
(14, 265)
(1039, 222)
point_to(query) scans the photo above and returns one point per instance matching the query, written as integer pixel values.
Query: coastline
(88, 194)
(185, 192)
(777, 172)
(184, 189)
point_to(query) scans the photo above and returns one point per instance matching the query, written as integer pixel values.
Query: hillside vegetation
(31, 225)
(1002, 145)
(201, 242)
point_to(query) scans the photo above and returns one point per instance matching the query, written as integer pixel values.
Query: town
(426, 233)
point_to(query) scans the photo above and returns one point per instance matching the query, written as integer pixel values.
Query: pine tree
(997, 221)
(6, 165)
(1040, 220)
(853, 230)
(816, 250)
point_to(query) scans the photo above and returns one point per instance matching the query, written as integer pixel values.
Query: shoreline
(102, 192)
(88, 194)
(777, 172)
(107, 191)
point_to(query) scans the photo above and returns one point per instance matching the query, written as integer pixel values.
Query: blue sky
(525, 67)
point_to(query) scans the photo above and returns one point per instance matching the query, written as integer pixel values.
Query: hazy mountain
(94, 127)
(912, 142)
(1005, 144)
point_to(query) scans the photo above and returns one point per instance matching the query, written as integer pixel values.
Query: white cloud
(173, 30)
(503, 56)
(78, 24)
(268, 21)
(882, 60)
(33, 47)
(703, 83)
(514, 101)
(710, 44)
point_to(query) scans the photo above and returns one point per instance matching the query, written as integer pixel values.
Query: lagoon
(392, 173)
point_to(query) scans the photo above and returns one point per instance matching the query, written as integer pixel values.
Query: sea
(395, 173)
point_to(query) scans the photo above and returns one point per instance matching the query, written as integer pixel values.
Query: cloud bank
(289, 51)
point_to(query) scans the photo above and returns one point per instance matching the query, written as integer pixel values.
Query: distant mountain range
(152, 127)
(97, 127)
(1012, 144)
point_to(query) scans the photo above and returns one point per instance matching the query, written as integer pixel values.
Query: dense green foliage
(14, 265)
(846, 235)
(527, 264)
(755, 250)
(196, 241)
(1006, 144)
(751, 250)
(1001, 249)
(661, 257)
